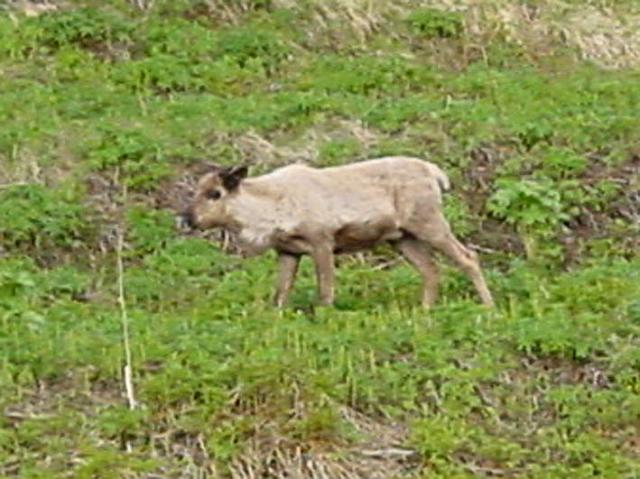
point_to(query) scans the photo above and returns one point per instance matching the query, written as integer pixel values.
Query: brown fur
(299, 210)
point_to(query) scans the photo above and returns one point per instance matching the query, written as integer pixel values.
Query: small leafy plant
(136, 157)
(535, 207)
(33, 216)
(431, 22)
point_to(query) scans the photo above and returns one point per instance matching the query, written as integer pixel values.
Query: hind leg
(469, 263)
(414, 251)
(437, 233)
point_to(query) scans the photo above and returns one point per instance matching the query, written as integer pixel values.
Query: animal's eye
(213, 195)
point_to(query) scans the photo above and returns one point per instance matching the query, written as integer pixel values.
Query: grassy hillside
(531, 107)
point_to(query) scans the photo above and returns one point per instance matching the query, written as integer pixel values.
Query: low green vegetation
(104, 109)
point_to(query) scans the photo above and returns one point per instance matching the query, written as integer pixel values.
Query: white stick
(128, 382)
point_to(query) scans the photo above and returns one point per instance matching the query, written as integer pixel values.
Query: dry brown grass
(378, 454)
(305, 147)
(601, 32)
(608, 36)
(33, 9)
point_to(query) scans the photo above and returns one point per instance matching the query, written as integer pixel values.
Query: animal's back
(351, 178)
(396, 165)
(357, 191)
(397, 169)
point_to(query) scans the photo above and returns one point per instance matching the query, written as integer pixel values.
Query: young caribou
(298, 210)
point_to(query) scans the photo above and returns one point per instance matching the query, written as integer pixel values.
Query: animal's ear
(231, 177)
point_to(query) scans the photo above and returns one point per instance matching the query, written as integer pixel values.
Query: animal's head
(208, 208)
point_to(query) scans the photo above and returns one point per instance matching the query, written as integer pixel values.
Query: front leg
(322, 255)
(287, 269)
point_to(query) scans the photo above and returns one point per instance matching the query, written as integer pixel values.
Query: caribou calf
(298, 210)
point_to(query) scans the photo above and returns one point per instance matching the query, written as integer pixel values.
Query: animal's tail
(440, 176)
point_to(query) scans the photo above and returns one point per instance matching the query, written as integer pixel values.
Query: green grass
(542, 150)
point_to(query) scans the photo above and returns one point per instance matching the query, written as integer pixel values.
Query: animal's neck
(254, 214)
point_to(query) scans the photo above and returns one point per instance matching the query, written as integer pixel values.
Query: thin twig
(125, 325)
(388, 452)
(481, 249)
(24, 415)
(127, 369)
(387, 264)
(143, 5)
(12, 185)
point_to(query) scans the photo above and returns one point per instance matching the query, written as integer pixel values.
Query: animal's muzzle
(186, 221)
